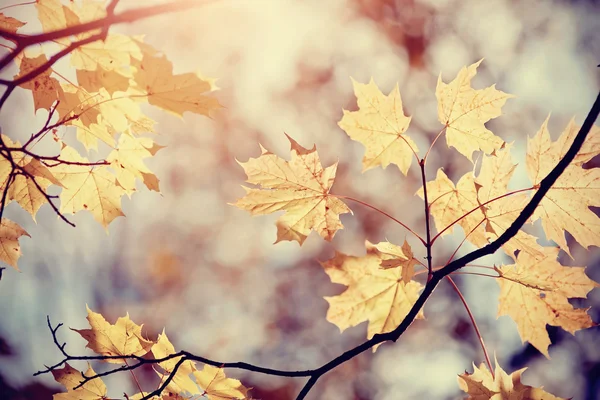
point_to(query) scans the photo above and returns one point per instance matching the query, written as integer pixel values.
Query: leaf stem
(339, 196)
(473, 322)
(429, 243)
(432, 143)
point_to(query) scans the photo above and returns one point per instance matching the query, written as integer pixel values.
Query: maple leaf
(128, 161)
(45, 88)
(69, 377)
(90, 188)
(535, 292)
(10, 24)
(10, 251)
(464, 111)
(181, 382)
(300, 187)
(217, 386)
(53, 16)
(109, 54)
(124, 338)
(111, 80)
(481, 385)
(380, 296)
(174, 93)
(379, 125)
(566, 205)
(466, 202)
(25, 189)
(394, 256)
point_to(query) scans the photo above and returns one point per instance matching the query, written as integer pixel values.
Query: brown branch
(23, 41)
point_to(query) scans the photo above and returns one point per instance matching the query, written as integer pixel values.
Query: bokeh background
(187, 261)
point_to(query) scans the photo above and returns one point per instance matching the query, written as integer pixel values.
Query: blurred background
(209, 274)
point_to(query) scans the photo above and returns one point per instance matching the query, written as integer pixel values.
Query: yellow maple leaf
(448, 202)
(482, 222)
(181, 382)
(566, 205)
(394, 256)
(69, 377)
(10, 251)
(174, 93)
(128, 161)
(377, 295)
(379, 125)
(54, 15)
(90, 188)
(25, 189)
(45, 88)
(481, 385)
(112, 53)
(217, 386)
(111, 80)
(124, 338)
(300, 187)
(464, 111)
(535, 292)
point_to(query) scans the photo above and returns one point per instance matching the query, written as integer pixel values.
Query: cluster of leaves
(124, 338)
(115, 75)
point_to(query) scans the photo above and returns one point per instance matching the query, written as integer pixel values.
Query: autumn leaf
(566, 206)
(464, 112)
(45, 88)
(217, 386)
(25, 189)
(181, 382)
(300, 187)
(109, 54)
(124, 338)
(111, 80)
(394, 256)
(174, 93)
(379, 125)
(127, 159)
(10, 24)
(481, 385)
(30, 179)
(69, 377)
(10, 251)
(53, 16)
(90, 188)
(379, 296)
(482, 204)
(535, 292)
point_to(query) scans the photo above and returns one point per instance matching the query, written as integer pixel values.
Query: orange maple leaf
(379, 125)
(44, 87)
(174, 93)
(300, 187)
(10, 251)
